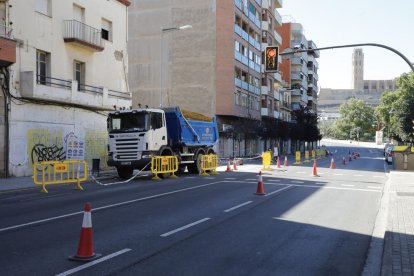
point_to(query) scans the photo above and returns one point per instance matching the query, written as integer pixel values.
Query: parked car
(388, 154)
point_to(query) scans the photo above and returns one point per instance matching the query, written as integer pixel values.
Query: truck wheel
(196, 166)
(125, 172)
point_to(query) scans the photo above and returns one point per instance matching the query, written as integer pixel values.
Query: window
(44, 6)
(106, 30)
(78, 13)
(156, 120)
(237, 46)
(42, 67)
(79, 74)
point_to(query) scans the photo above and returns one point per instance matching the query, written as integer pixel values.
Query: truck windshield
(127, 122)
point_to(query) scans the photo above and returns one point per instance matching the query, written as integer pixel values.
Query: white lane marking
(230, 178)
(378, 176)
(322, 173)
(338, 174)
(358, 175)
(109, 206)
(277, 191)
(299, 182)
(312, 186)
(320, 183)
(189, 177)
(251, 179)
(184, 227)
(347, 185)
(238, 206)
(79, 268)
(274, 180)
(374, 187)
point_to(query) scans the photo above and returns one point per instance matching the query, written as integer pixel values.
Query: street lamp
(165, 30)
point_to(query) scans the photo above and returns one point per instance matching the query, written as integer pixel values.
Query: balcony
(245, 85)
(238, 29)
(278, 38)
(238, 82)
(245, 35)
(238, 4)
(237, 55)
(265, 26)
(80, 34)
(278, 77)
(70, 92)
(278, 19)
(7, 47)
(276, 114)
(265, 111)
(277, 96)
(264, 90)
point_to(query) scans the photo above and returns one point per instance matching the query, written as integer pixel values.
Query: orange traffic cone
(332, 164)
(260, 188)
(315, 172)
(286, 162)
(228, 166)
(278, 162)
(85, 248)
(343, 161)
(234, 164)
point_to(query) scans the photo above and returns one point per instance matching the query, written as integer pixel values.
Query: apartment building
(214, 68)
(70, 68)
(301, 71)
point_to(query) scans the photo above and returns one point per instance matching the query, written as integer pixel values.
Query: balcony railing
(237, 29)
(54, 82)
(118, 94)
(6, 32)
(82, 34)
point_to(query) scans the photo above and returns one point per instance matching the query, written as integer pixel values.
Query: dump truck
(136, 135)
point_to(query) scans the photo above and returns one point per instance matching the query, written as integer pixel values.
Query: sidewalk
(15, 183)
(398, 254)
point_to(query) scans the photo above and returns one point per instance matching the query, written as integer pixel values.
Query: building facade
(301, 71)
(214, 68)
(71, 66)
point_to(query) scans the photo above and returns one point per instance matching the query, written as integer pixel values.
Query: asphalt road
(195, 225)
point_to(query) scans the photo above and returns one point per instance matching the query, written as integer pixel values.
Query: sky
(340, 22)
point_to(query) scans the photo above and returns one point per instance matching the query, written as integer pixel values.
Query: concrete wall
(188, 57)
(2, 133)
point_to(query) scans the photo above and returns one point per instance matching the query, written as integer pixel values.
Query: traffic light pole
(290, 51)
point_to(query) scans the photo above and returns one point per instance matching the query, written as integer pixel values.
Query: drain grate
(405, 194)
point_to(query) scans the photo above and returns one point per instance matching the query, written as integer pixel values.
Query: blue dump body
(183, 132)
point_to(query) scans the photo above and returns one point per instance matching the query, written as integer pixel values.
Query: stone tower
(358, 69)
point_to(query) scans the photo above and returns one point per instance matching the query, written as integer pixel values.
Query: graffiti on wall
(45, 145)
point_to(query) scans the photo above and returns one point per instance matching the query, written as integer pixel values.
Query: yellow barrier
(209, 163)
(60, 172)
(164, 164)
(267, 160)
(306, 157)
(318, 153)
(297, 158)
(313, 155)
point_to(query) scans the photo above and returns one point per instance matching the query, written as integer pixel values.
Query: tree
(396, 109)
(356, 119)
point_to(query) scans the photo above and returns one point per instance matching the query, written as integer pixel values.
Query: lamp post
(165, 30)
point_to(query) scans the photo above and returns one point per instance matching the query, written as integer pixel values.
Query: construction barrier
(267, 160)
(297, 162)
(163, 165)
(60, 172)
(313, 155)
(209, 163)
(306, 157)
(318, 153)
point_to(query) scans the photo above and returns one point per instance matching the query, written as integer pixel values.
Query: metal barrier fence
(306, 157)
(60, 172)
(164, 165)
(209, 163)
(267, 160)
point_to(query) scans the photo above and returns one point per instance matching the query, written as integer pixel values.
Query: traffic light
(271, 59)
